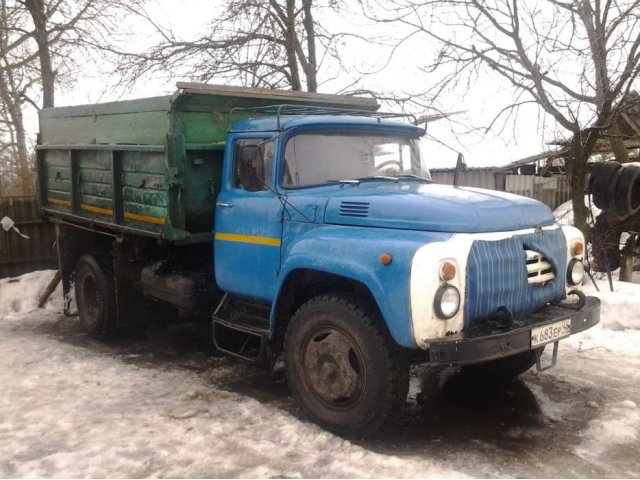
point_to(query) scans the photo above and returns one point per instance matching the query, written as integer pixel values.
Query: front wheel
(345, 371)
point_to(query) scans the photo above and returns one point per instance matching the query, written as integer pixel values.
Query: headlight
(447, 301)
(575, 272)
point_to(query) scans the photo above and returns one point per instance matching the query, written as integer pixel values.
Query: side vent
(539, 270)
(354, 209)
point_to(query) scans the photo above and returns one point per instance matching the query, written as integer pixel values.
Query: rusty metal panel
(19, 255)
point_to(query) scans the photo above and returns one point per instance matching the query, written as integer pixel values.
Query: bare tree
(259, 43)
(575, 59)
(42, 44)
(16, 78)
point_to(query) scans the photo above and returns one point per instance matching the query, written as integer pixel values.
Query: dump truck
(307, 229)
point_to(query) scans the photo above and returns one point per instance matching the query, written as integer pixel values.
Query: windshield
(319, 158)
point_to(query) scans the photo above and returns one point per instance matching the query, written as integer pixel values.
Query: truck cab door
(248, 223)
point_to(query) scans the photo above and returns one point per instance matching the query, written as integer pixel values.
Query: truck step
(239, 340)
(241, 327)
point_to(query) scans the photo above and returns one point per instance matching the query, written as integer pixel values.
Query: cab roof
(352, 122)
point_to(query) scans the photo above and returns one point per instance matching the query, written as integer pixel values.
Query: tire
(95, 298)
(601, 176)
(343, 369)
(503, 369)
(627, 192)
(613, 213)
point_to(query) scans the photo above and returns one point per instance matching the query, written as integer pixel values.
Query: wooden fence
(19, 255)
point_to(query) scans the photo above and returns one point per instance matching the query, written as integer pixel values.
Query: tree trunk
(616, 142)
(41, 35)
(578, 183)
(11, 100)
(291, 46)
(312, 64)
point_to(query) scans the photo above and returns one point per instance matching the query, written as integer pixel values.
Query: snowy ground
(163, 405)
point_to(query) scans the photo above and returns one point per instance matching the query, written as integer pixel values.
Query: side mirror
(251, 168)
(461, 166)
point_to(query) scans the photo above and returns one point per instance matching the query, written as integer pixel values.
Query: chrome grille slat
(539, 269)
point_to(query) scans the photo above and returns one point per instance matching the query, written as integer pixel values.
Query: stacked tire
(615, 188)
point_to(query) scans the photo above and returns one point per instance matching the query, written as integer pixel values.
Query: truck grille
(539, 270)
(522, 273)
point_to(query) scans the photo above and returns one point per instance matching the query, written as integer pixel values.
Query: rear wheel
(95, 298)
(345, 371)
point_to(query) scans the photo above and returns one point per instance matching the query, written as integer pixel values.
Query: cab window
(252, 164)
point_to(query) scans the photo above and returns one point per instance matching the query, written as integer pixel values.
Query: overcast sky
(480, 102)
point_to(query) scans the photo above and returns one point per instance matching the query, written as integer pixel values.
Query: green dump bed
(150, 166)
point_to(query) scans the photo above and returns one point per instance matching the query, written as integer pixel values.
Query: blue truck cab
(336, 259)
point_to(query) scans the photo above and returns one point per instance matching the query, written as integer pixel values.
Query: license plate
(550, 333)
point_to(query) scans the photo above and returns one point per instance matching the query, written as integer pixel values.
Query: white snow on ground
(72, 412)
(618, 333)
(619, 327)
(619, 424)
(19, 296)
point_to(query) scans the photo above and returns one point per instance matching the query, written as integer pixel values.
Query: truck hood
(432, 207)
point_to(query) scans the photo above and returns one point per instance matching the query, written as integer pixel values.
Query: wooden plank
(59, 185)
(144, 180)
(94, 159)
(61, 172)
(281, 96)
(59, 158)
(95, 201)
(150, 104)
(143, 162)
(97, 190)
(146, 128)
(96, 176)
(145, 197)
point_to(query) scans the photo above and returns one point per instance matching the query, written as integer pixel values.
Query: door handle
(224, 205)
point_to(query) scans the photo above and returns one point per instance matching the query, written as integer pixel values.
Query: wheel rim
(90, 300)
(334, 370)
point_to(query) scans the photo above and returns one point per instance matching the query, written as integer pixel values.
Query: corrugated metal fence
(19, 255)
(552, 191)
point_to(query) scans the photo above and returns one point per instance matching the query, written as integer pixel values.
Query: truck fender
(317, 258)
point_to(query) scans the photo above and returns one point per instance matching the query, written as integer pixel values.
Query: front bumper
(483, 343)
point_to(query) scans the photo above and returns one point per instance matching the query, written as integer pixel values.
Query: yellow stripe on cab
(232, 237)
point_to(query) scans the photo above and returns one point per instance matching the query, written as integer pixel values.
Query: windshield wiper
(411, 175)
(378, 177)
(347, 182)
(356, 181)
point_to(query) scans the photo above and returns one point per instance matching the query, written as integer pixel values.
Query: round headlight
(575, 272)
(447, 301)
